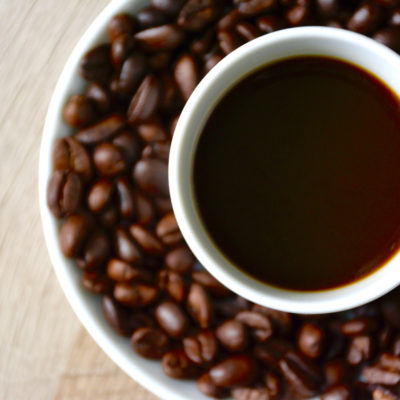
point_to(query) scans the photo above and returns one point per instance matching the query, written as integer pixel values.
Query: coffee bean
(145, 101)
(272, 384)
(247, 31)
(96, 250)
(146, 240)
(121, 24)
(382, 393)
(79, 111)
(186, 75)
(132, 72)
(125, 247)
(150, 342)
(177, 365)
(339, 392)
(201, 348)
(109, 217)
(365, 19)
(121, 48)
(100, 131)
(108, 159)
(390, 361)
(253, 7)
(135, 295)
(96, 282)
(358, 326)
(210, 283)
(202, 44)
(390, 37)
(168, 231)
(149, 17)
(171, 319)
(168, 7)
(310, 340)
(173, 284)
(95, 65)
(99, 96)
(129, 145)
(152, 131)
(212, 62)
(144, 209)
(199, 305)
(73, 232)
(121, 271)
(379, 375)
(395, 17)
(270, 23)
(360, 350)
(126, 203)
(297, 15)
(180, 259)
(151, 175)
(227, 41)
(160, 38)
(99, 195)
(336, 372)
(327, 8)
(197, 14)
(233, 371)
(158, 150)
(281, 321)
(246, 393)
(115, 315)
(260, 324)
(163, 205)
(232, 335)
(206, 386)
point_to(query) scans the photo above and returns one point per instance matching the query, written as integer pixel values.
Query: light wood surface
(45, 353)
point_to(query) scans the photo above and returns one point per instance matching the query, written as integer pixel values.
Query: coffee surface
(297, 174)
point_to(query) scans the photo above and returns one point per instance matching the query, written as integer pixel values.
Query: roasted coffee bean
(247, 393)
(390, 37)
(145, 101)
(132, 72)
(180, 259)
(96, 250)
(233, 371)
(151, 175)
(390, 361)
(186, 75)
(171, 319)
(96, 282)
(121, 24)
(160, 38)
(149, 17)
(380, 375)
(199, 305)
(109, 216)
(101, 130)
(79, 111)
(115, 315)
(365, 19)
(145, 212)
(230, 19)
(360, 350)
(146, 240)
(212, 62)
(125, 246)
(210, 283)
(201, 348)
(359, 326)
(339, 392)
(272, 384)
(100, 194)
(253, 7)
(158, 150)
(281, 321)
(168, 7)
(73, 232)
(172, 126)
(227, 40)
(311, 369)
(160, 60)
(95, 65)
(310, 340)
(126, 203)
(228, 308)
(129, 145)
(297, 15)
(121, 271)
(206, 386)
(247, 31)
(70, 155)
(172, 283)
(327, 8)
(150, 342)
(170, 101)
(202, 44)
(152, 131)
(197, 14)
(382, 393)
(336, 372)
(260, 324)
(108, 159)
(177, 365)
(168, 231)
(121, 47)
(99, 96)
(163, 205)
(232, 335)
(135, 295)
(270, 23)
(395, 17)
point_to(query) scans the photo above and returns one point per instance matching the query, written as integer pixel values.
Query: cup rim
(198, 108)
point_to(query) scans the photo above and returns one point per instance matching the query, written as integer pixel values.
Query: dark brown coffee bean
(146, 240)
(358, 326)
(201, 348)
(210, 283)
(108, 159)
(228, 308)
(272, 384)
(171, 319)
(202, 44)
(73, 232)
(247, 30)
(109, 216)
(132, 72)
(121, 47)
(382, 393)
(395, 17)
(150, 342)
(95, 65)
(310, 340)
(96, 282)
(100, 194)
(115, 315)
(70, 155)
(151, 176)
(168, 231)
(360, 350)
(248, 393)
(152, 131)
(173, 284)
(227, 41)
(180, 259)
(206, 386)
(260, 324)
(160, 38)
(125, 247)
(186, 75)
(297, 15)
(365, 19)
(168, 7)
(327, 8)
(281, 321)
(233, 335)
(163, 205)
(233, 371)
(126, 204)
(212, 62)
(121, 24)
(160, 60)
(253, 7)
(170, 101)
(135, 295)
(121, 271)
(197, 14)
(145, 101)
(158, 150)
(199, 305)
(174, 122)
(149, 17)
(385, 336)
(390, 37)
(379, 375)
(129, 145)
(230, 19)
(338, 392)
(390, 361)
(79, 111)
(100, 131)
(177, 365)
(145, 212)
(99, 96)
(96, 250)
(270, 23)
(336, 372)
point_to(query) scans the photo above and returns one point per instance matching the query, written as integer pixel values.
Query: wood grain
(44, 351)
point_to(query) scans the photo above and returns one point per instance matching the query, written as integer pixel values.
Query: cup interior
(314, 41)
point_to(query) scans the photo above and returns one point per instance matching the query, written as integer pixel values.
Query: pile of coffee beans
(110, 191)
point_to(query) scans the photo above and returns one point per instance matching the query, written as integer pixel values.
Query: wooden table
(45, 353)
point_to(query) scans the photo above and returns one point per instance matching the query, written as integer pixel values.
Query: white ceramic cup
(321, 41)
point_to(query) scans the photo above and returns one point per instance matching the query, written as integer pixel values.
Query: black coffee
(297, 174)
